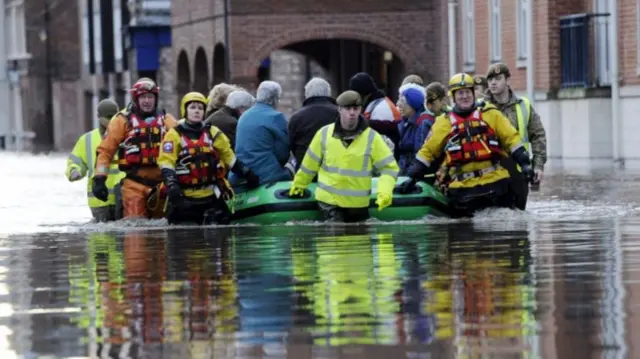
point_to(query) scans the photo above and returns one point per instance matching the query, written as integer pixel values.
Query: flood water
(557, 281)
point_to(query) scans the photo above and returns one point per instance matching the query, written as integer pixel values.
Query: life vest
(198, 163)
(471, 140)
(142, 142)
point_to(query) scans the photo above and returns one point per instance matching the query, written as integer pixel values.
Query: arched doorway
(183, 83)
(335, 60)
(375, 51)
(201, 72)
(219, 64)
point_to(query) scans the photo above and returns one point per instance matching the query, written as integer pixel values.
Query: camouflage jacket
(535, 130)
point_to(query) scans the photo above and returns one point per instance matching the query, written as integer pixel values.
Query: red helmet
(143, 86)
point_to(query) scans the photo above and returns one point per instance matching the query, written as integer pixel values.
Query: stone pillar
(166, 81)
(289, 69)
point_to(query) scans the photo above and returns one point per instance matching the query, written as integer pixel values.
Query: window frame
(468, 35)
(495, 31)
(522, 41)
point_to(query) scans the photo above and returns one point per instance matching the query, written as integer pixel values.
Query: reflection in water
(483, 293)
(459, 290)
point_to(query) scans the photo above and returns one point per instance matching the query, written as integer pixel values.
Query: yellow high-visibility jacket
(344, 173)
(83, 159)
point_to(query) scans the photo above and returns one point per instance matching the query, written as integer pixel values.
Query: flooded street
(557, 281)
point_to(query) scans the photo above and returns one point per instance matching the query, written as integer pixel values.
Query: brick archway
(281, 40)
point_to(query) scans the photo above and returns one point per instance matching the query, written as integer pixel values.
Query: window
(468, 36)
(495, 31)
(97, 36)
(15, 37)
(522, 23)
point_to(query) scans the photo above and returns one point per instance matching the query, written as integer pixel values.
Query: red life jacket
(198, 163)
(471, 140)
(141, 146)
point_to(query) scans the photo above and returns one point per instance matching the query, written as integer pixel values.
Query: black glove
(407, 186)
(240, 169)
(174, 192)
(253, 180)
(100, 190)
(417, 170)
(521, 156)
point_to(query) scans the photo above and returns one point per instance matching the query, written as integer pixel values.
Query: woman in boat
(415, 125)
(194, 160)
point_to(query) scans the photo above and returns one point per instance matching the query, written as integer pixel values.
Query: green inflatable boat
(271, 204)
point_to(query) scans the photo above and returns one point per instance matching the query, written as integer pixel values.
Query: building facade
(59, 58)
(587, 115)
(233, 41)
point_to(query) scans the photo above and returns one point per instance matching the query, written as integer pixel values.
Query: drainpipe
(227, 45)
(530, 53)
(452, 37)
(5, 119)
(618, 155)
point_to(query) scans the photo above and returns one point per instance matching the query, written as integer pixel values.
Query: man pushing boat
(344, 155)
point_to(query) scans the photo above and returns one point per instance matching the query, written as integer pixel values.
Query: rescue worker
(480, 87)
(135, 135)
(195, 160)
(415, 124)
(318, 110)
(343, 155)
(226, 118)
(473, 139)
(379, 110)
(523, 117)
(82, 158)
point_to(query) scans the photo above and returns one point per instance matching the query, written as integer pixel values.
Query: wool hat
(414, 98)
(363, 84)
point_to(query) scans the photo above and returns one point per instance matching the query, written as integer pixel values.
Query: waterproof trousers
(465, 202)
(104, 213)
(519, 185)
(347, 215)
(199, 211)
(140, 200)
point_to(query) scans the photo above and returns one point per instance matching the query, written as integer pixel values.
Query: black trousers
(339, 214)
(208, 210)
(465, 202)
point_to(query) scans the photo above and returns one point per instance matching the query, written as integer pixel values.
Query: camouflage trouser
(104, 214)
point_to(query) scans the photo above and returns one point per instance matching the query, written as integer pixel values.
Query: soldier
(521, 114)
(480, 87)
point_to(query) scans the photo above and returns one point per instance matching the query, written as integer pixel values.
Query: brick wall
(412, 30)
(546, 20)
(629, 20)
(64, 66)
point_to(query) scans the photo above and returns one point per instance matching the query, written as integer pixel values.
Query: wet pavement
(557, 281)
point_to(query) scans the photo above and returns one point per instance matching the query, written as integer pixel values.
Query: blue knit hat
(414, 98)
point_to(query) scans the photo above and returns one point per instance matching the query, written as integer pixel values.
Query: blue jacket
(262, 144)
(413, 132)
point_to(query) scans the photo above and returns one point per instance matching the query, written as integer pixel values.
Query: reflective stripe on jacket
(345, 172)
(83, 159)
